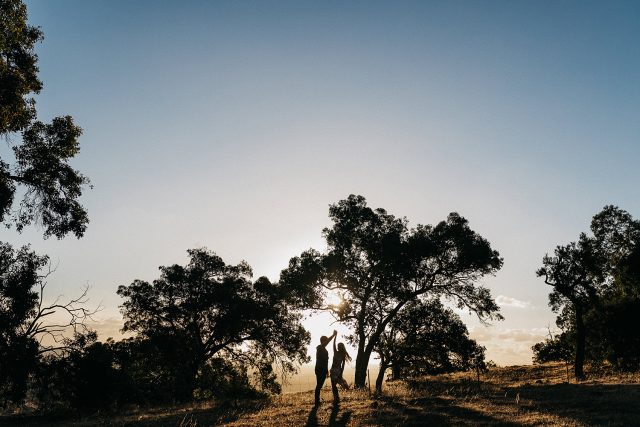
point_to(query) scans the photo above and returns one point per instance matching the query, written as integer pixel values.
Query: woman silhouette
(340, 357)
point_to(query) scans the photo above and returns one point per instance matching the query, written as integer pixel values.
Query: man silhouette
(322, 364)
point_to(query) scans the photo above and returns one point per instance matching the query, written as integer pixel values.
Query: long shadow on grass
(342, 421)
(585, 403)
(592, 404)
(431, 411)
(334, 419)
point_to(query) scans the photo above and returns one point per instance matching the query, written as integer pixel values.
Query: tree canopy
(25, 329)
(596, 290)
(39, 163)
(425, 338)
(37, 167)
(378, 265)
(18, 67)
(213, 309)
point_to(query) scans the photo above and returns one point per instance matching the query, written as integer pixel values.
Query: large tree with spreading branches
(213, 309)
(377, 264)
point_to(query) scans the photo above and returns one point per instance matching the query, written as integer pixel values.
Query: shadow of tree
(593, 404)
(586, 403)
(431, 411)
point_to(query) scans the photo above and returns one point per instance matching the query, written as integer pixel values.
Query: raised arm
(335, 333)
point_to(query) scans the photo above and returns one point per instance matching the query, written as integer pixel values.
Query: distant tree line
(596, 292)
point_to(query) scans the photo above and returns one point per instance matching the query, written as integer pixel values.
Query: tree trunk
(362, 362)
(580, 343)
(380, 379)
(396, 371)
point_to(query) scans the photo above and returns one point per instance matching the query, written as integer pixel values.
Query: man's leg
(320, 377)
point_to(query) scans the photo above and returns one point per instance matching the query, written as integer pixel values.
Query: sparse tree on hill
(572, 272)
(617, 236)
(556, 348)
(596, 292)
(378, 265)
(425, 338)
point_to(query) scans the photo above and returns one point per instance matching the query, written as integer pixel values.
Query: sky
(234, 125)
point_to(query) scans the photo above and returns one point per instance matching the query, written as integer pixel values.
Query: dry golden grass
(511, 396)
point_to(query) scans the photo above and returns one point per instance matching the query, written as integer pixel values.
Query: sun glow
(333, 299)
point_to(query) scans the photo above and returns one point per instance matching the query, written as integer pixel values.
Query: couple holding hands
(340, 357)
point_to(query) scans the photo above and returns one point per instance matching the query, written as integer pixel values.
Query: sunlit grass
(519, 395)
(511, 396)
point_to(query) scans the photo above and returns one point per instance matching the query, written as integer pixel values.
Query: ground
(511, 396)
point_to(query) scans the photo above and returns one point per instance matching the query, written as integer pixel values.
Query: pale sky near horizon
(233, 125)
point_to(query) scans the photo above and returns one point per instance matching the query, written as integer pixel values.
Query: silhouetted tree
(556, 348)
(157, 368)
(19, 72)
(595, 290)
(425, 338)
(572, 272)
(25, 332)
(151, 371)
(221, 377)
(82, 376)
(209, 309)
(18, 350)
(378, 265)
(617, 237)
(51, 187)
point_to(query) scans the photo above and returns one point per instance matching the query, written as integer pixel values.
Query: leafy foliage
(378, 265)
(52, 185)
(426, 338)
(25, 333)
(558, 348)
(18, 67)
(18, 302)
(81, 376)
(596, 293)
(40, 162)
(210, 309)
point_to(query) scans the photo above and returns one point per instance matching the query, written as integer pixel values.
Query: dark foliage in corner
(596, 293)
(40, 163)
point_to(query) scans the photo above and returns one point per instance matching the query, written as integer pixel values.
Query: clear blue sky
(233, 125)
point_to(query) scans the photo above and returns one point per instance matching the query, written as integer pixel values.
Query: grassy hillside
(525, 395)
(511, 396)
